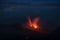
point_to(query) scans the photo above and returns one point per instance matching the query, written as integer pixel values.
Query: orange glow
(33, 23)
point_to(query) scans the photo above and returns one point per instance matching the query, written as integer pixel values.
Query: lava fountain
(32, 24)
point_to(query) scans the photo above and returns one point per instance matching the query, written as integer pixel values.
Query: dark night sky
(16, 11)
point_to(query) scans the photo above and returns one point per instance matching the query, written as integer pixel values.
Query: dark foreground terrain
(14, 33)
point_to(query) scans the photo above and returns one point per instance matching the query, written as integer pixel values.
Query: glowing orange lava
(33, 23)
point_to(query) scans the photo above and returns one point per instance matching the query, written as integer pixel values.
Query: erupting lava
(33, 24)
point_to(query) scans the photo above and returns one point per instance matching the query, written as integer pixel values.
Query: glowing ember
(33, 23)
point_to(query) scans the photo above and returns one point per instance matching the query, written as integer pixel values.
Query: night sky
(13, 13)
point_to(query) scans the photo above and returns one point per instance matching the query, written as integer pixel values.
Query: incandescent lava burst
(33, 24)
